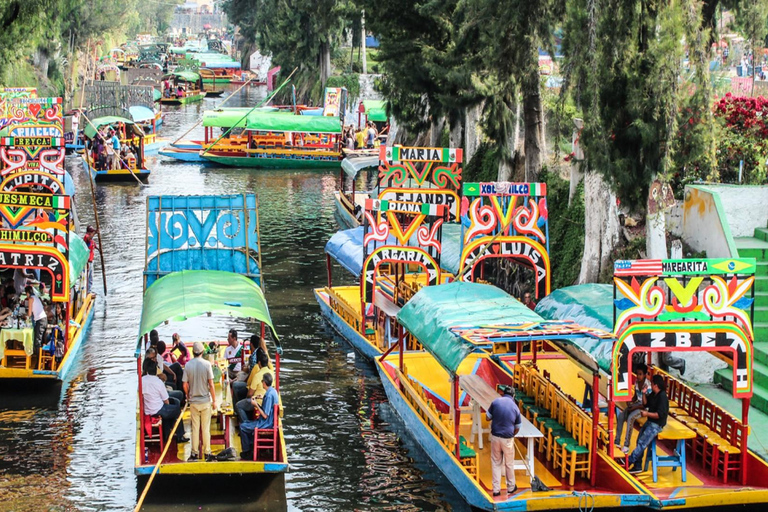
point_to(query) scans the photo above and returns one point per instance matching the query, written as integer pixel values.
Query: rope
(586, 497)
(160, 460)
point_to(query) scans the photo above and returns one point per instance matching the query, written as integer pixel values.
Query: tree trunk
(601, 228)
(506, 165)
(436, 131)
(532, 117)
(471, 130)
(456, 135)
(656, 236)
(362, 44)
(325, 61)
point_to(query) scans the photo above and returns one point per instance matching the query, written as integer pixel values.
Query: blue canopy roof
(140, 113)
(590, 305)
(346, 247)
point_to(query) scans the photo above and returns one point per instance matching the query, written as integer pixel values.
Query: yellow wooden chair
(574, 456)
(560, 430)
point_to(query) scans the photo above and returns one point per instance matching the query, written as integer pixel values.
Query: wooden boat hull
(70, 359)
(345, 330)
(272, 162)
(213, 94)
(182, 101)
(117, 174)
(344, 216)
(182, 154)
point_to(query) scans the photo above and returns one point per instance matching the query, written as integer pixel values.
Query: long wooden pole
(159, 461)
(218, 106)
(93, 200)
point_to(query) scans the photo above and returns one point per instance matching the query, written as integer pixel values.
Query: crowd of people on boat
(109, 152)
(171, 91)
(366, 137)
(171, 378)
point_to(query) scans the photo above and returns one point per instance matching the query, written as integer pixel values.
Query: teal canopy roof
(140, 113)
(190, 293)
(352, 165)
(590, 305)
(281, 122)
(89, 130)
(434, 310)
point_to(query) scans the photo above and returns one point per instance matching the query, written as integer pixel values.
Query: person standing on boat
(90, 232)
(657, 411)
(181, 348)
(157, 401)
(265, 418)
(114, 143)
(201, 396)
(505, 424)
(36, 311)
(633, 410)
(233, 354)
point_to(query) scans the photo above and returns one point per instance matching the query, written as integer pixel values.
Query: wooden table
(675, 431)
(481, 396)
(24, 335)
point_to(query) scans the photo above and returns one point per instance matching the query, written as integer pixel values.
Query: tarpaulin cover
(279, 122)
(346, 247)
(90, 132)
(589, 305)
(192, 293)
(431, 313)
(140, 113)
(376, 110)
(187, 76)
(78, 256)
(353, 165)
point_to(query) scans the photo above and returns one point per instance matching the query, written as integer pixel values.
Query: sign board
(409, 154)
(46, 259)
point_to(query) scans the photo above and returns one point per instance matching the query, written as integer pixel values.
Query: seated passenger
(632, 412)
(265, 418)
(656, 412)
(179, 351)
(174, 371)
(156, 401)
(243, 393)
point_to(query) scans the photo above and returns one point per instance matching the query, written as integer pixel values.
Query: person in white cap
(201, 396)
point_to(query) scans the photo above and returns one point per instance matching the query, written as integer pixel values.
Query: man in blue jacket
(505, 424)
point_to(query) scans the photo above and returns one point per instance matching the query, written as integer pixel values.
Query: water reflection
(75, 450)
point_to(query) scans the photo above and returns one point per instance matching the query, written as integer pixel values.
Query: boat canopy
(281, 122)
(227, 118)
(346, 247)
(375, 110)
(78, 256)
(590, 305)
(141, 114)
(190, 293)
(90, 131)
(156, 95)
(187, 76)
(437, 314)
(354, 164)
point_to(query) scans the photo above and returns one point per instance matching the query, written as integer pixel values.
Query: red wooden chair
(268, 438)
(153, 430)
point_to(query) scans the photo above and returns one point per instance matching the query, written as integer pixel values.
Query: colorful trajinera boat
(349, 201)
(148, 120)
(281, 141)
(128, 166)
(39, 245)
(186, 87)
(215, 270)
(572, 380)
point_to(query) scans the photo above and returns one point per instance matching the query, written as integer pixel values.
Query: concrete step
(761, 283)
(762, 268)
(724, 377)
(751, 247)
(761, 332)
(761, 352)
(761, 314)
(761, 233)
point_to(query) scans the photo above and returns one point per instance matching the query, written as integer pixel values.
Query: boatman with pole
(505, 424)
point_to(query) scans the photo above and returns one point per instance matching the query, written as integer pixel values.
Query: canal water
(73, 448)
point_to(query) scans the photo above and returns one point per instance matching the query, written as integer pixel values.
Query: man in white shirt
(157, 401)
(36, 311)
(233, 354)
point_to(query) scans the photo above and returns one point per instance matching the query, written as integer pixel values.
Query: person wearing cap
(90, 232)
(505, 424)
(201, 396)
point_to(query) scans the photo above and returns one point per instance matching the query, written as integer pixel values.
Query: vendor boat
(473, 339)
(186, 87)
(221, 276)
(282, 141)
(39, 241)
(130, 168)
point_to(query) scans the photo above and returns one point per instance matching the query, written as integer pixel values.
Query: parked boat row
(447, 343)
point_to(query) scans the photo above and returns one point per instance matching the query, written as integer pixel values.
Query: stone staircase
(755, 247)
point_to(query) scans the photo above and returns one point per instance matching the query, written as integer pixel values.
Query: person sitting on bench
(265, 418)
(657, 411)
(632, 412)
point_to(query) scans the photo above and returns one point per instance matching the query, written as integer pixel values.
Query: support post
(744, 436)
(456, 415)
(611, 420)
(401, 341)
(534, 351)
(595, 423)
(141, 410)
(328, 268)
(519, 350)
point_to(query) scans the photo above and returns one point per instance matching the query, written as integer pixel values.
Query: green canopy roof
(376, 110)
(188, 76)
(434, 310)
(78, 256)
(191, 293)
(156, 95)
(280, 122)
(226, 118)
(90, 132)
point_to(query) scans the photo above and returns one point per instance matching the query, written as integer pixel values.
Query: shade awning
(346, 247)
(375, 110)
(187, 76)
(590, 305)
(141, 114)
(354, 164)
(90, 131)
(78, 256)
(190, 293)
(281, 122)
(230, 117)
